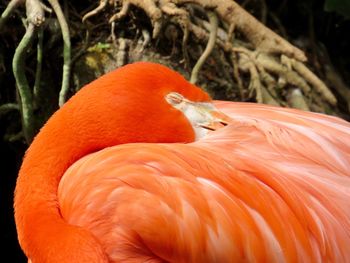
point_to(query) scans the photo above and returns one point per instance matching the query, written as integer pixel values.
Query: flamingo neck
(76, 130)
(80, 127)
(39, 223)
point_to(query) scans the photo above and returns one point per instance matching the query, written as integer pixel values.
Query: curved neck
(65, 138)
(80, 127)
(40, 227)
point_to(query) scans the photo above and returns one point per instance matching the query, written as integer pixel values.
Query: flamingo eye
(174, 98)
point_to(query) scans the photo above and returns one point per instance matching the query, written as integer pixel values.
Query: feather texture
(272, 186)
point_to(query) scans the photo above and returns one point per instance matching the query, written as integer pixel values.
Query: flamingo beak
(216, 120)
(203, 116)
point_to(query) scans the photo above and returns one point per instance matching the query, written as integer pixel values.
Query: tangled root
(270, 62)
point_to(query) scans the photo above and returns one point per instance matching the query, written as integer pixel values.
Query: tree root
(22, 84)
(210, 45)
(271, 62)
(35, 18)
(261, 65)
(5, 108)
(262, 38)
(66, 51)
(297, 100)
(8, 11)
(101, 6)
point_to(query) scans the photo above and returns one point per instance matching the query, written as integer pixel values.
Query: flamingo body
(272, 186)
(122, 173)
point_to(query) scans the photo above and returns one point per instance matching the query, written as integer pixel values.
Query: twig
(22, 83)
(230, 33)
(122, 13)
(262, 38)
(255, 83)
(122, 52)
(274, 66)
(268, 98)
(213, 19)
(236, 75)
(146, 39)
(5, 108)
(39, 59)
(269, 87)
(182, 19)
(113, 37)
(95, 11)
(310, 77)
(8, 10)
(14, 137)
(35, 12)
(66, 51)
(297, 100)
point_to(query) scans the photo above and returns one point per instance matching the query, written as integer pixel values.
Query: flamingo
(142, 166)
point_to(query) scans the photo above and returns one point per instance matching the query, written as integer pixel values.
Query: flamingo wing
(272, 186)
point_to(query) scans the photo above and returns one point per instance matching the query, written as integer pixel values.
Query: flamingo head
(145, 102)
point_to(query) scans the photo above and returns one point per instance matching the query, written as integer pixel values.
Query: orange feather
(115, 176)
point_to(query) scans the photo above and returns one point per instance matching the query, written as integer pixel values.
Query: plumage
(271, 186)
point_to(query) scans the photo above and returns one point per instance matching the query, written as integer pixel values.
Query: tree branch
(213, 19)
(66, 51)
(5, 108)
(22, 83)
(39, 59)
(7, 12)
